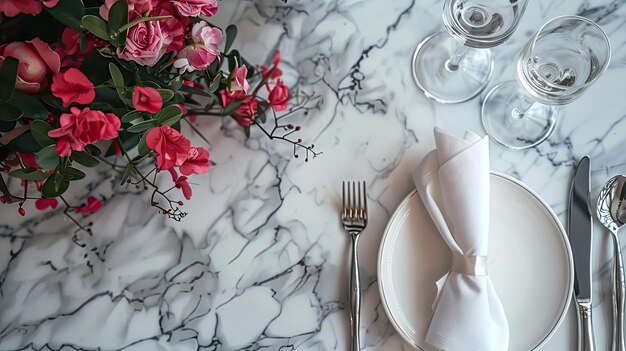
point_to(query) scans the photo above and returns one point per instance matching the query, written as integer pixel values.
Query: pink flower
(36, 60)
(195, 8)
(171, 147)
(145, 43)
(70, 53)
(173, 30)
(197, 162)
(82, 127)
(182, 184)
(93, 205)
(140, 6)
(12, 8)
(147, 99)
(73, 86)
(28, 159)
(272, 72)
(278, 96)
(203, 51)
(238, 80)
(43, 203)
(246, 110)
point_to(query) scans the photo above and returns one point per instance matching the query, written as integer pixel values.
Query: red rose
(197, 162)
(73, 86)
(36, 60)
(147, 99)
(278, 96)
(171, 146)
(82, 127)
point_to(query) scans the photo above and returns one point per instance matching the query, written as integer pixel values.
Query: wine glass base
(513, 132)
(437, 81)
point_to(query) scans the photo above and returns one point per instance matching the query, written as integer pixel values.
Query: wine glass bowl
(456, 66)
(560, 61)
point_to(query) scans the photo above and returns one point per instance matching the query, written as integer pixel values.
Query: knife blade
(580, 232)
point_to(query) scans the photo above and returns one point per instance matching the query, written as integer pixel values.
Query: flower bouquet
(118, 82)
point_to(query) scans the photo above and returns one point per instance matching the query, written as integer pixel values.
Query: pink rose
(36, 60)
(197, 162)
(145, 43)
(82, 127)
(73, 86)
(173, 30)
(147, 99)
(278, 96)
(195, 8)
(195, 58)
(238, 80)
(202, 32)
(171, 147)
(12, 8)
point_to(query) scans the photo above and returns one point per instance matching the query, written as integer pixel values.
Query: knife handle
(619, 295)
(585, 328)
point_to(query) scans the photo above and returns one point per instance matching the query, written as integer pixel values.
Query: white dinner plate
(530, 265)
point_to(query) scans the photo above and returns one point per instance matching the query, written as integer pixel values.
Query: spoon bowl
(611, 211)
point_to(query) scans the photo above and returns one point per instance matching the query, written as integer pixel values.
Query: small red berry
(180, 203)
(21, 211)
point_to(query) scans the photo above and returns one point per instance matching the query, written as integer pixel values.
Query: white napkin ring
(469, 265)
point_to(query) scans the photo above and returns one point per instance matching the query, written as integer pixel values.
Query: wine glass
(558, 64)
(455, 67)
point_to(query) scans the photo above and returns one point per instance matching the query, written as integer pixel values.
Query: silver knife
(580, 235)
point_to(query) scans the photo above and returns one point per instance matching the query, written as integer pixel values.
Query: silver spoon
(611, 211)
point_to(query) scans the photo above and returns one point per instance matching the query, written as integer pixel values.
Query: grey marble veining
(260, 262)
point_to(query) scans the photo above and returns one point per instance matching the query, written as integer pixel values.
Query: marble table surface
(260, 261)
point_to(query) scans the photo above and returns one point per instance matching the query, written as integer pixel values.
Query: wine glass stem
(525, 103)
(457, 55)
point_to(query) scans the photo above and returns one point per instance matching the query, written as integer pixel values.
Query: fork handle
(355, 294)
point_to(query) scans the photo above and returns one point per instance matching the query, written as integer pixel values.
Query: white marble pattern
(261, 262)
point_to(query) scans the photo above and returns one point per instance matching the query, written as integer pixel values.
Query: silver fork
(354, 218)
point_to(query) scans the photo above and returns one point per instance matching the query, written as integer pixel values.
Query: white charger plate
(530, 265)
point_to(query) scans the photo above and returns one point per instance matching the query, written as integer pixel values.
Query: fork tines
(354, 202)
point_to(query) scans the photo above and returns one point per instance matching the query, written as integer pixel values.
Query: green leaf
(118, 78)
(151, 84)
(71, 173)
(10, 112)
(166, 94)
(51, 188)
(118, 17)
(54, 101)
(193, 90)
(84, 158)
(40, 130)
(92, 67)
(92, 149)
(261, 113)
(215, 83)
(141, 126)
(169, 115)
(8, 78)
(126, 173)
(30, 106)
(142, 147)
(234, 57)
(47, 157)
(7, 126)
(97, 26)
(82, 41)
(231, 34)
(25, 142)
(142, 19)
(29, 174)
(69, 12)
(231, 108)
(133, 116)
(246, 131)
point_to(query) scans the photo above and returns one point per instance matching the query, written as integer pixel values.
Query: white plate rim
(564, 238)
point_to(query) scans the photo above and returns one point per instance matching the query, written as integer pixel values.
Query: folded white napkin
(453, 183)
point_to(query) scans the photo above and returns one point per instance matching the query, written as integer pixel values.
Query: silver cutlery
(354, 219)
(611, 211)
(580, 235)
